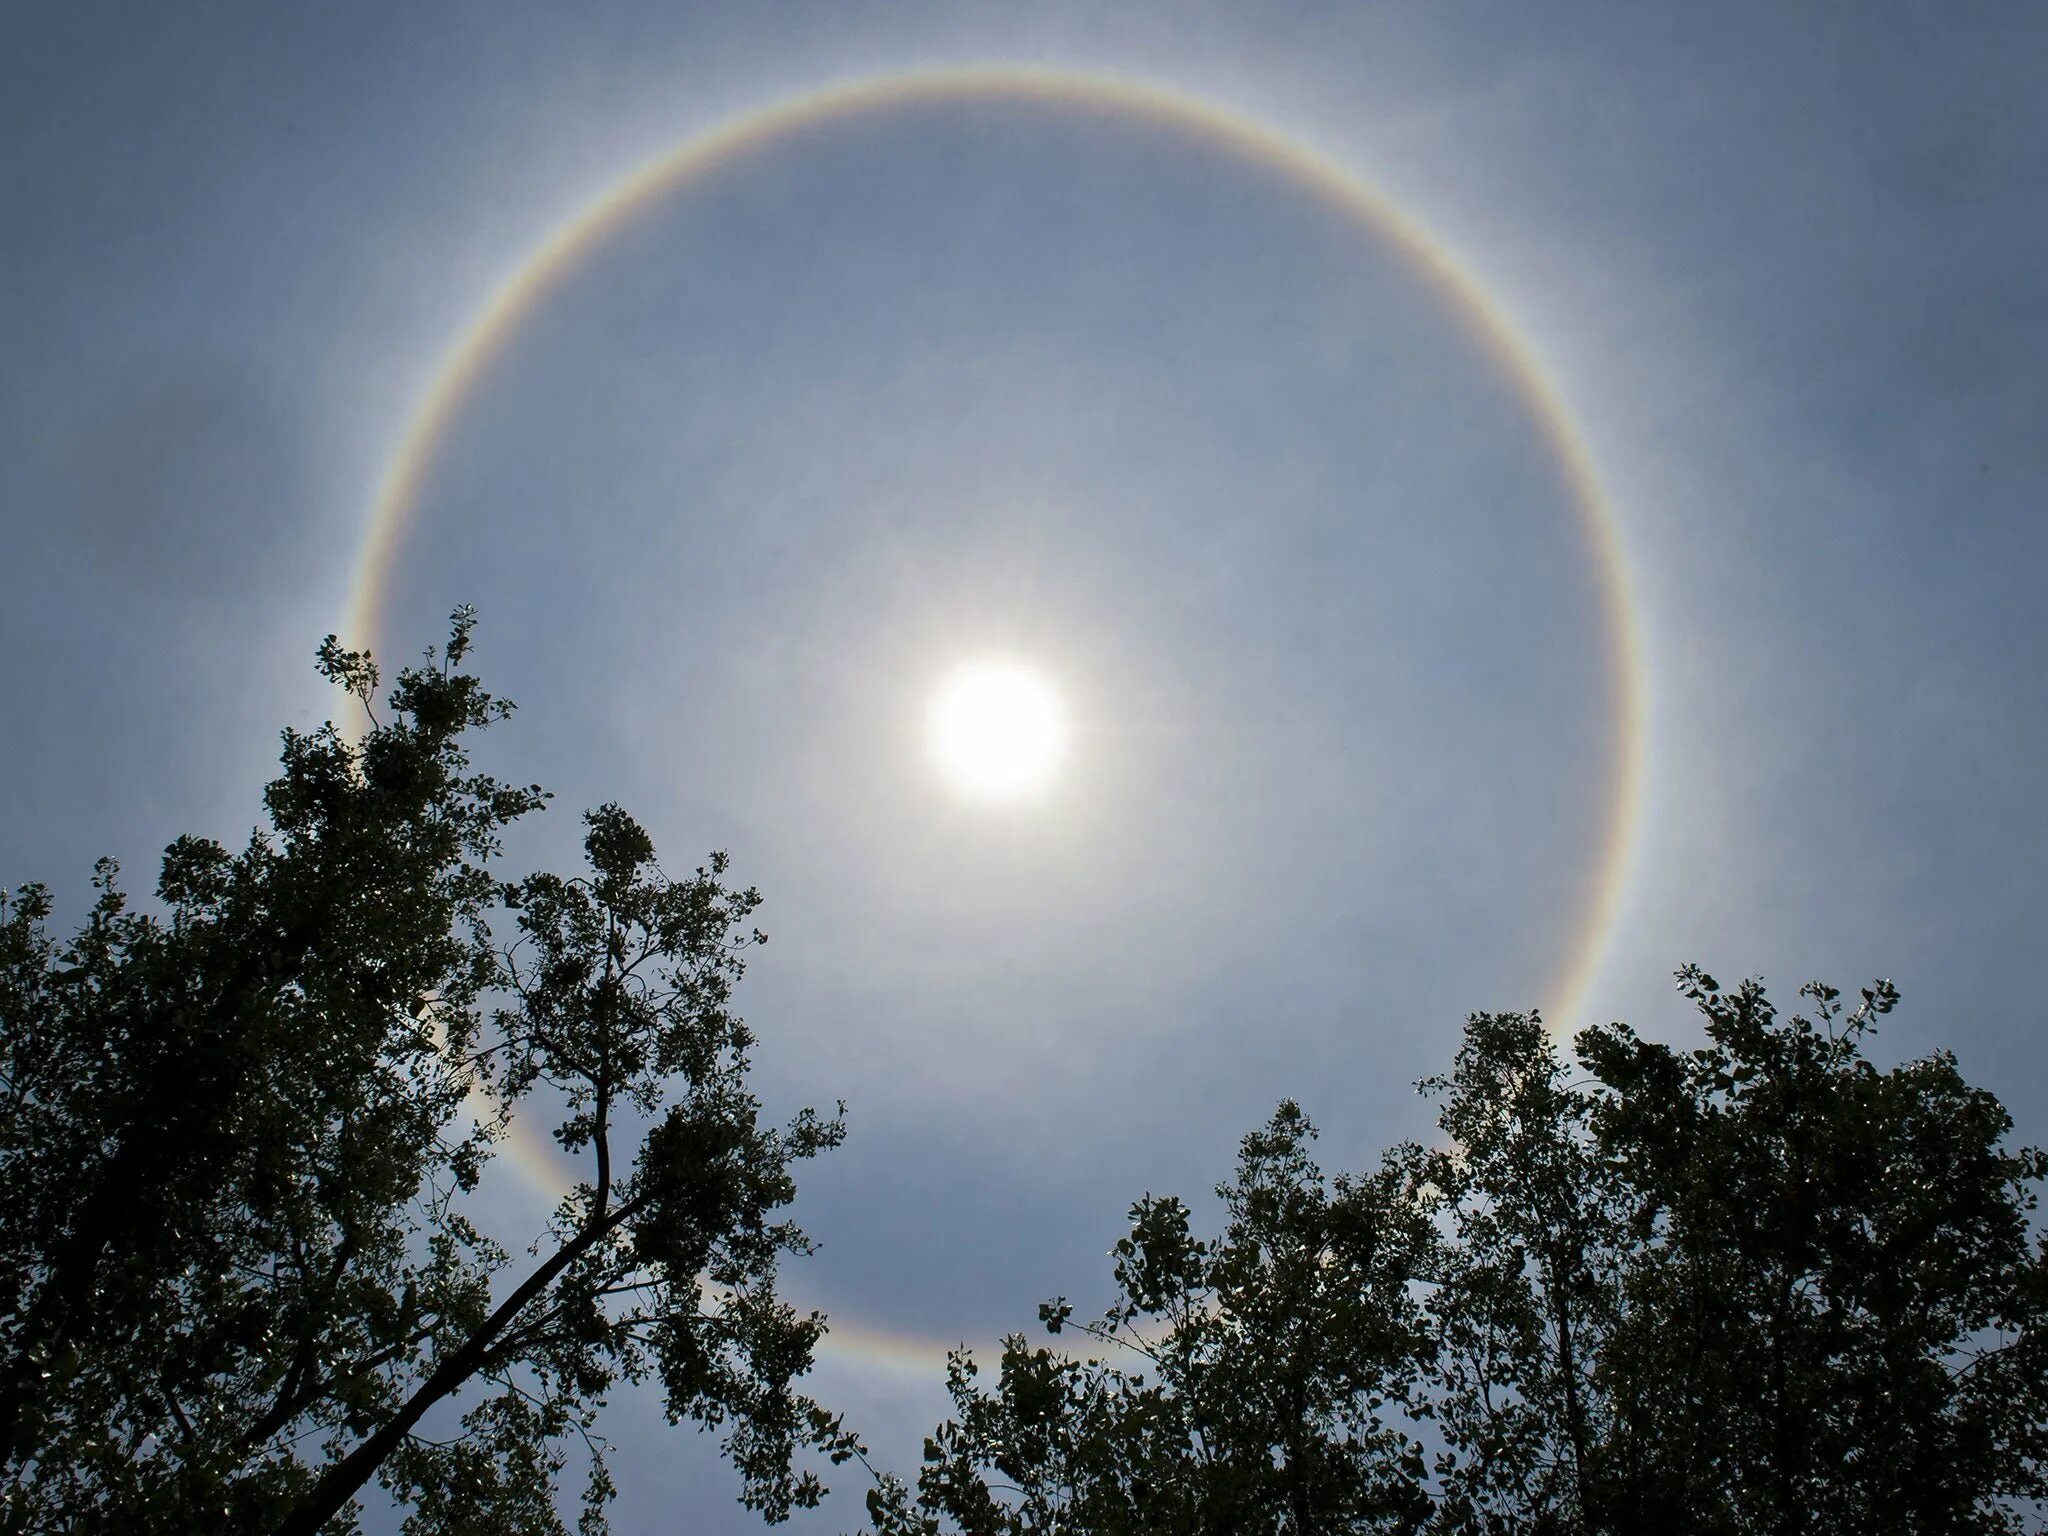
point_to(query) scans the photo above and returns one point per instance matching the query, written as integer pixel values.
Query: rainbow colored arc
(1204, 122)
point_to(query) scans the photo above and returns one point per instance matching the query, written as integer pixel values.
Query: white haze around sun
(998, 730)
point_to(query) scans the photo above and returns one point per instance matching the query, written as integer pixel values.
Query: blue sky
(994, 377)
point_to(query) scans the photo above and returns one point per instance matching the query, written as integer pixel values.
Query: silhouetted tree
(1522, 1282)
(1834, 1312)
(235, 1271)
(1761, 1286)
(1263, 1367)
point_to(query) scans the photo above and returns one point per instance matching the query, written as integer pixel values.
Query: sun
(998, 730)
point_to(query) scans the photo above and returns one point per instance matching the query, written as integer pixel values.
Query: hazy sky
(1002, 377)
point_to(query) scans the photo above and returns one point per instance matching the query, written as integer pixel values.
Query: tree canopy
(238, 1133)
(1760, 1286)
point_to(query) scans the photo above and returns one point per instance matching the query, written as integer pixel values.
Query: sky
(1217, 455)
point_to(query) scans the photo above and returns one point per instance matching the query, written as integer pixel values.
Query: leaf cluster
(238, 1133)
(1759, 1286)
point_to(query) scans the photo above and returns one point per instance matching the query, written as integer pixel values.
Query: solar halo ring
(542, 270)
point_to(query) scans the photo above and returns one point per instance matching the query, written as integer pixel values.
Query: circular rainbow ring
(1206, 123)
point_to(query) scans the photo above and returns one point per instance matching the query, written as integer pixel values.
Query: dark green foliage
(1757, 1287)
(236, 1137)
(1268, 1365)
(1834, 1317)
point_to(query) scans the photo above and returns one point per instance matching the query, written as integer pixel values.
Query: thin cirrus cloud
(995, 381)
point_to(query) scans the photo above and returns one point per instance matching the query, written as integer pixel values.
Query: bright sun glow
(997, 730)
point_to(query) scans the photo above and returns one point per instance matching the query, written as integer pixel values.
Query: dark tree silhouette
(1761, 1286)
(235, 1272)
(1261, 1369)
